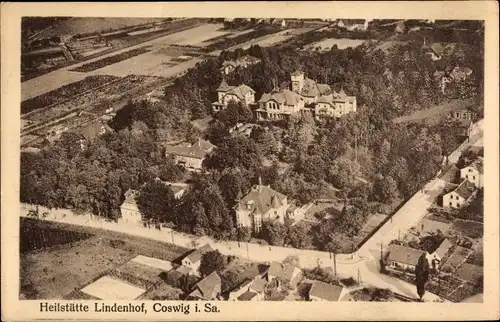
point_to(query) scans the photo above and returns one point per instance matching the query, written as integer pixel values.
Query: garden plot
(469, 228)
(327, 44)
(456, 259)
(107, 288)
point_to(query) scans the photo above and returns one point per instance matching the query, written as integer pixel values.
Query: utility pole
(335, 263)
(359, 277)
(248, 254)
(172, 232)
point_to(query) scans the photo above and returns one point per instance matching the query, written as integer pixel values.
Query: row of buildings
(253, 289)
(304, 96)
(471, 179)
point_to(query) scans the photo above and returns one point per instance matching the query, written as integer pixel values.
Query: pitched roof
(282, 271)
(195, 255)
(247, 296)
(130, 196)
(205, 145)
(260, 199)
(240, 91)
(405, 255)
(443, 248)
(478, 165)
(440, 48)
(325, 291)
(313, 89)
(284, 96)
(223, 87)
(465, 189)
(297, 73)
(258, 285)
(186, 150)
(207, 286)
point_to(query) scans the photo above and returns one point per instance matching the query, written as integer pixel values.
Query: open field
(51, 274)
(111, 60)
(53, 80)
(86, 25)
(264, 41)
(198, 35)
(327, 44)
(434, 115)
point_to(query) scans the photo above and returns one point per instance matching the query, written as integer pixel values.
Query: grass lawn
(434, 115)
(56, 272)
(469, 228)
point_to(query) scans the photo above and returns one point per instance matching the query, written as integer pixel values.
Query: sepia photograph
(235, 159)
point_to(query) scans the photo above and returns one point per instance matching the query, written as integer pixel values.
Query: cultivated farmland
(110, 60)
(65, 92)
(52, 274)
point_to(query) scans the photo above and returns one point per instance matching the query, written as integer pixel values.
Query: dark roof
(440, 48)
(325, 291)
(284, 96)
(478, 165)
(131, 195)
(313, 89)
(405, 255)
(247, 296)
(224, 86)
(195, 255)
(261, 199)
(465, 189)
(282, 271)
(206, 286)
(297, 73)
(240, 91)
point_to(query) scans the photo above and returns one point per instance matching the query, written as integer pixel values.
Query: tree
(274, 233)
(156, 201)
(230, 280)
(244, 234)
(169, 171)
(422, 272)
(385, 189)
(236, 152)
(298, 236)
(334, 246)
(212, 261)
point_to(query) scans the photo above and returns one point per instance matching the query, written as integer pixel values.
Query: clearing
(327, 44)
(56, 272)
(107, 288)
(434, 115)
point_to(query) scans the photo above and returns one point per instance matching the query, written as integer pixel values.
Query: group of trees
(364, 154)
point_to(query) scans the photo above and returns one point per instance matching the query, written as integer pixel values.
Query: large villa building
(261, 204)
(306, 95)
(237, 94)
(190, 155)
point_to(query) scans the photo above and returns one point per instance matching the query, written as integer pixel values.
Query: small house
(435, 258)
(129, 209)
(238, 94)
(193, 259)
(207, 289)
(474, 173)
(460, 196)
(321, 291)
(189, 155)
(403, 258)
(284, 273)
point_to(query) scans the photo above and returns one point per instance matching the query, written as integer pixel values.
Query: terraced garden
(111, 60)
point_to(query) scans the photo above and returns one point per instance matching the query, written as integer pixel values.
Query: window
(473, 177)
(470, 170)
(466, 176)
(451, 203)
(275, 212)
(458, 204)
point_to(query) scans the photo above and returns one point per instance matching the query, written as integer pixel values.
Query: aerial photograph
(251, 159)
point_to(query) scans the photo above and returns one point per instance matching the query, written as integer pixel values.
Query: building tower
(297, 78)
